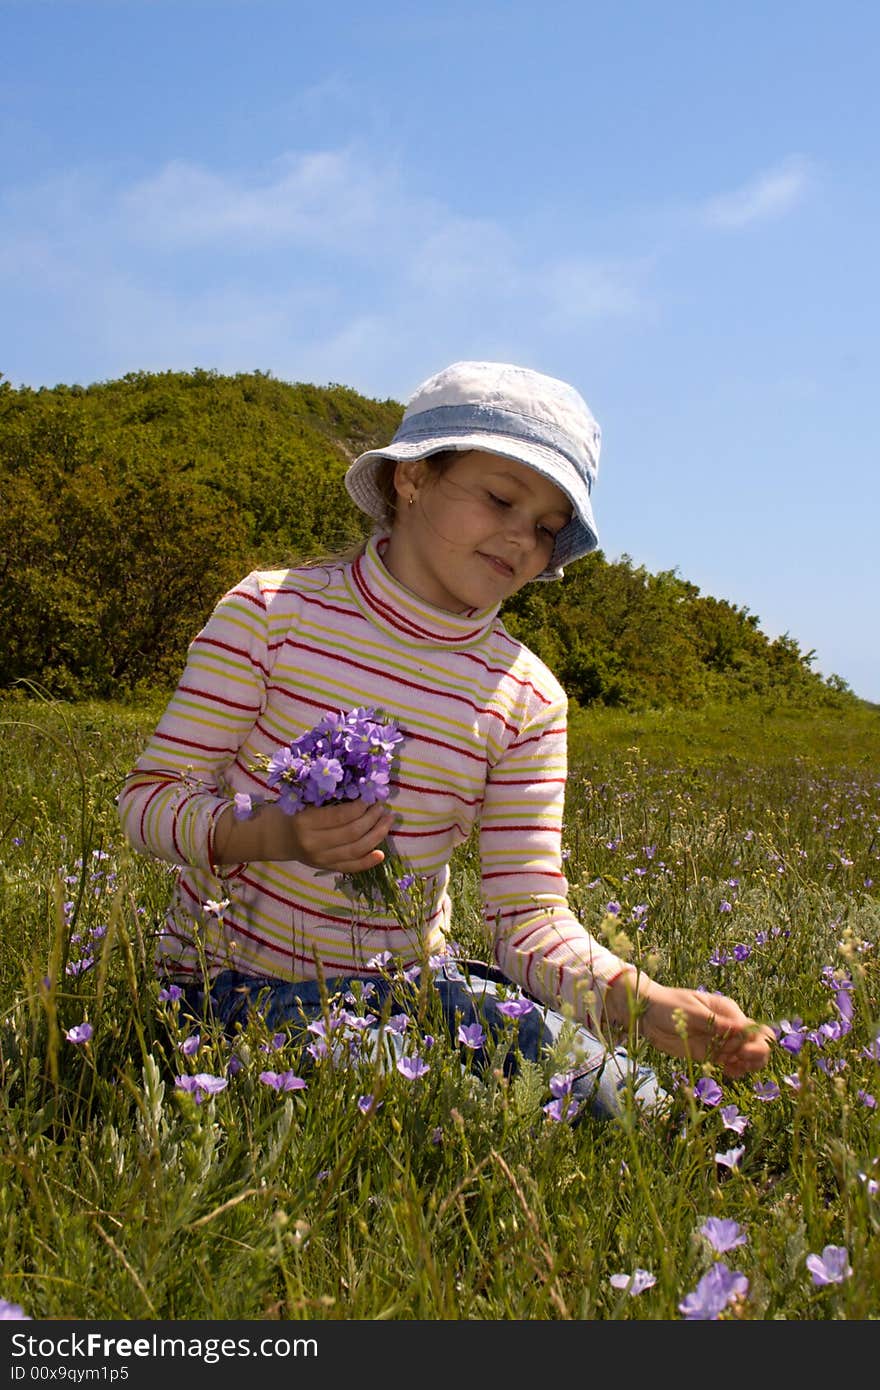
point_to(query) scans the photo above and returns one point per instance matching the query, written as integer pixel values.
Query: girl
(485, 487)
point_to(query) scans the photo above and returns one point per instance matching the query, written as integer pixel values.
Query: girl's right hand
(343, 836)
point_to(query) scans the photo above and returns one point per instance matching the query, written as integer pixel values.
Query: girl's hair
(436, 464)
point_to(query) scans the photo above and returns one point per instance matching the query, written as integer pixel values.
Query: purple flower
(562, 1108)
(867, 1099)
(613, 908)
(792, 1035)
(719, 957)
(725, 906)
(79, 967)
(715, 1290)
(380, 961)
(243, 806)
(471, 1035)
(723, 1235)
(708, 1091)
(732, 1119)
(283, 1081)
(561, 1083)
(171, 995)
(741, 951)
(515, 1008)
(872, 1052)
(190, 1045)
(398, 1023)
(732, 1158)
(831, 1267)
(367, 1103)
(12, 1312)
(201, 1085)
(412, 1067)
(80, 1033)
(634, 1283)
(766, 1090)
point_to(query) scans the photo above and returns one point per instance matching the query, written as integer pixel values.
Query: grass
(743, 849)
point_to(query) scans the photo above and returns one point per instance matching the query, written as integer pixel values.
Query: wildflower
(831, 1267)
(171, 994)
(873, 1052)
(12, 1312)
(725, 906)
(732, 1158)
(79, 967)
(243, 806)
(871, 1184)
(201, 1085)
(741, 952)
(612, 908)
(471, 1035)
(80, 1033)
(412, 1067)
(719, 957)
(283, 1081)
(190, 1045)
(276, 1042)
(366, 1104)
(515, 1008)
(723, 1235)
(398, 1023)
(216, 908)
(708, 1091)
(766, 1090)
(634, 1283)
(562, 1108)
(380, 961)
(561, 1083)
(867, 1099)
(732, 1119)
(792, 1035)
(792, 1080)
(715, 1290)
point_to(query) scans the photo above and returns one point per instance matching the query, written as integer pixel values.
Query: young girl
(484, 488)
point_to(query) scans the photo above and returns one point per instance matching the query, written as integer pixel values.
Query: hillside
(129, 506)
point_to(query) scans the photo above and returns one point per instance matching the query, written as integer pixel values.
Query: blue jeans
(468, 993)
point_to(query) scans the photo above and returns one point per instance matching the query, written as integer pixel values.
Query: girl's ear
(409, 474)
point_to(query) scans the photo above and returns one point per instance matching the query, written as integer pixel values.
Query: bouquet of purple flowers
(343, 757)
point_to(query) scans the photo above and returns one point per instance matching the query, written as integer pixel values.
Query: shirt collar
(396, 609)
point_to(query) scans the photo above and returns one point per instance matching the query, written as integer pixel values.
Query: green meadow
(732, 847)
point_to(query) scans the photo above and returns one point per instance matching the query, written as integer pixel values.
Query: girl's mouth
(501, 567)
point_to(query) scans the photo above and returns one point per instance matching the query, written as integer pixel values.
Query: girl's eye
(499, 501)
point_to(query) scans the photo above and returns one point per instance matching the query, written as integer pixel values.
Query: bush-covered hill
(128, 507)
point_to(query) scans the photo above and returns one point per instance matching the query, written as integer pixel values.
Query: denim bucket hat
(500, 409)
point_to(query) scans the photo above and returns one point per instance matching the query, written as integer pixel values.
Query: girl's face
(474, 534)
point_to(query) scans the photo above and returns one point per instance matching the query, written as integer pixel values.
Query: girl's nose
(518, 527)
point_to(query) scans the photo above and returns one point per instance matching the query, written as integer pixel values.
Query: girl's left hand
(705, 1027)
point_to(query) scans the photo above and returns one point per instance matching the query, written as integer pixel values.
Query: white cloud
(768, 195)
(322, 264)
(580, 290)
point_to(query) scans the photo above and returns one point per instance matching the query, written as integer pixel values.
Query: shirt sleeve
(172, 798)
(539, 943)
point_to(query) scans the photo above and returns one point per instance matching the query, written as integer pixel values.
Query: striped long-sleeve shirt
(485, 741)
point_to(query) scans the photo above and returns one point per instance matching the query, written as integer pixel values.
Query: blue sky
(675, 206)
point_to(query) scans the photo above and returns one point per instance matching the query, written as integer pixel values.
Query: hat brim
(577, 538)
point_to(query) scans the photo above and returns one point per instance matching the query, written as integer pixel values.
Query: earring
(411, 499)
